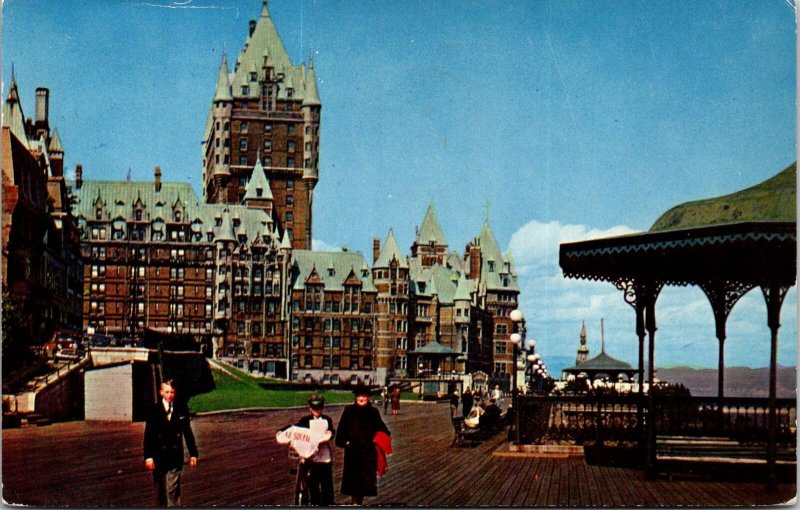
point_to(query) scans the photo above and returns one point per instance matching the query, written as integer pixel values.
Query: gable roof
(258, 181)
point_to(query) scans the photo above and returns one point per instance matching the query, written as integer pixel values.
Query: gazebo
(433, 357)
(602, 365)
(727, 246)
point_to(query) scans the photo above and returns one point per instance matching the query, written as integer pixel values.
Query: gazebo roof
(601, 362)
(436, 348)
(748, 252)
(749, 237)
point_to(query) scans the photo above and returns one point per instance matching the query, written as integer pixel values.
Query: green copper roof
(223, 92)
(333, 268)
(772, 200)
(435, 347)
(496, 273)
(601, 362)
(463, 290)
(430, 229)
(311, 97)
(390, 251)
(258, 181)
(117, 199)
(265, 41)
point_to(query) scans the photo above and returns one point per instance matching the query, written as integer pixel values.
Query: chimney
(252, 26)
(474, 262)
(376, 249)
(42, 104)
(78, 176)
(158, 178)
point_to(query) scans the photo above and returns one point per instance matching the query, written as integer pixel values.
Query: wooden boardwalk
(101, 465)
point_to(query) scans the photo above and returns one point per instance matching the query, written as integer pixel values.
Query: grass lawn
(244, 390)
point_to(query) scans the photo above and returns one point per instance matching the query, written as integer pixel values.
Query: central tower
(267, 109)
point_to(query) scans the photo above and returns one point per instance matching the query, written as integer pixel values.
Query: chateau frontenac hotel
(234, 268)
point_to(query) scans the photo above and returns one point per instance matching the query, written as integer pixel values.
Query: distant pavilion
(601, 366)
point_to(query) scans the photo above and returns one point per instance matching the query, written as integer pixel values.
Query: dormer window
(290, 92)
(491, 266)
(98, 214)
(137, 215)
(245, 90)
(218, 221)
(259, 192)
(178, 215)
(253, 76)
(331, 271)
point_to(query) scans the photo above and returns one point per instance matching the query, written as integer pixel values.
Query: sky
(557, 120)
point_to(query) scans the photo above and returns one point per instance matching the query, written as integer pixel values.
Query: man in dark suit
(166, 429)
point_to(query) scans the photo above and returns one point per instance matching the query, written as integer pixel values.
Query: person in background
(358, 426)
(395, 400)
(453, 403)
(466, 402)
(385, 399)
(165, 430)
(320, 465)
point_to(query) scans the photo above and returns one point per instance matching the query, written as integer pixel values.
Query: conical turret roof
(223, 92)
(390, 251)
(312, 94)
(430, 229)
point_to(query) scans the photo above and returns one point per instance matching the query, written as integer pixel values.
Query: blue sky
(572, 119)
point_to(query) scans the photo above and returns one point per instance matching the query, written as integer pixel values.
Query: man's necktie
(169, 413)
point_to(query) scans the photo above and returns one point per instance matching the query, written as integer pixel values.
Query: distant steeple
(602, 337)
(583, 350)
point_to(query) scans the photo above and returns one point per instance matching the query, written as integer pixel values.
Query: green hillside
(772, 200)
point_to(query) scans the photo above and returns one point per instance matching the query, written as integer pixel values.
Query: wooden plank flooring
(100, 464)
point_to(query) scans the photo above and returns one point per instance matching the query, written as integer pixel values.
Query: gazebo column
(722, 295)
(642, 296)
(773, 295)
(649, 291)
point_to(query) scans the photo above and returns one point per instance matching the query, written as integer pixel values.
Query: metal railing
(602, 418)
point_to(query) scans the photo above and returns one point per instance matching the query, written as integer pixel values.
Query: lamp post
(516, 339)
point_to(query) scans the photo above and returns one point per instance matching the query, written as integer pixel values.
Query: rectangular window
(267, 145)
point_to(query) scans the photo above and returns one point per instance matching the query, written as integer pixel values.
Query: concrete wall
(109, 393)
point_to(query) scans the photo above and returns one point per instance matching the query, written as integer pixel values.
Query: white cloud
(320, 245)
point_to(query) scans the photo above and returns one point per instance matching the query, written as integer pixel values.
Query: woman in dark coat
(357, 427)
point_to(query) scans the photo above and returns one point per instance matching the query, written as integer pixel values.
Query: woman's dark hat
(316, 402)
(362, 389)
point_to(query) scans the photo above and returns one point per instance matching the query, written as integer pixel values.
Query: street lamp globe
(516, 315)
(516, 338)
(531, 343)
(531, 357)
